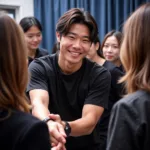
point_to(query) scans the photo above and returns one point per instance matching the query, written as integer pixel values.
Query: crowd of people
(87, 95)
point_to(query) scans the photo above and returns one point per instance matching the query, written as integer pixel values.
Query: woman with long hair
(18, 129)
(32, 29)
(111, 47)
(129, 127)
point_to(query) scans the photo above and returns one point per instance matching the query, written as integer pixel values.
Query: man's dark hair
(76, 15)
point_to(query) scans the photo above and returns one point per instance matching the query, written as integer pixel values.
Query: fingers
(54, 142)
(57, 135)
(60, 146)
(56, 132)
(55, 117)
(61, 130)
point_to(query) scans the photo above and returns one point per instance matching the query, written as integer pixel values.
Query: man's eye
(71, 37)
(86, 41)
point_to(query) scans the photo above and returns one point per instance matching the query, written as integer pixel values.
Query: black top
(39, 53)
(68, 93)
(22, 131)
(116, 92)
(129, 127)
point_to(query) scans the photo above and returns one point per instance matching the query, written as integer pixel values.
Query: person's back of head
(77, 16)
(13, 65)
(135, 50)
(27, 22)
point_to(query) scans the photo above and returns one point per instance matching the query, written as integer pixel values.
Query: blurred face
(75, 45)
(111, 49)
(33, 38)
(93, 51)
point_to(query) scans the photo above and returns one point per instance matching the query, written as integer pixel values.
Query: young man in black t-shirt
(70, 85)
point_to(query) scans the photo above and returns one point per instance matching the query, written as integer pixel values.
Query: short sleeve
(38, 77)
(99, 88)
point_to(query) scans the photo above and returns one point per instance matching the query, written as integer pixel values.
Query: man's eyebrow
(76, 34)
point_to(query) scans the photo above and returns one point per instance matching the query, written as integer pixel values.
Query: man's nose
(77, 44)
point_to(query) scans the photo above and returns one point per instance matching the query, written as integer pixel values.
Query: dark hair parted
(13, 66)
(27, 22)
(114, 33)
(135, 50)
(74, 16)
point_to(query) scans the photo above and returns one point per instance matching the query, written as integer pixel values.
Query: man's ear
(97, 46)
(58, 36)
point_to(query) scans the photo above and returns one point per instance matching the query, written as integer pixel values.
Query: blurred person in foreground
(18, 129)
(129, 127)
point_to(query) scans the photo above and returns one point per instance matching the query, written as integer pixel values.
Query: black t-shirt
(68, 93)
(116, 92)
(39, 53)
(129, 127)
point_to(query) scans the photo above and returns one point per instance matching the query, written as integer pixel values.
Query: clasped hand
(57, 133)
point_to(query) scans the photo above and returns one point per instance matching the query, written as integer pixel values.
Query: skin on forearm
(79, 128)
(40, 101)
(40, 111)
(85, 125)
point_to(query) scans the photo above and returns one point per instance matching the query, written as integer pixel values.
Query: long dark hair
(27, 22)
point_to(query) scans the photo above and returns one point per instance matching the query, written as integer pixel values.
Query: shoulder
(21, 122)
(135, 103)
(109, 65)
(24, 117)
(45, 61)
(96, 68)
(26, 123)
(97, 74)
(31, 132)
(136, 97)
(114, 70)
(43, 51)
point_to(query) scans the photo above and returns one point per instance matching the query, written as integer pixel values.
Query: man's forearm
(82, 126)
(40, 111)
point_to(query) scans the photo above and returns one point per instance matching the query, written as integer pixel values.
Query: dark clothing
(121, 68)
(39, 53)
(129, 127)
(69, 93)
(116, 91)
(22, 131)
